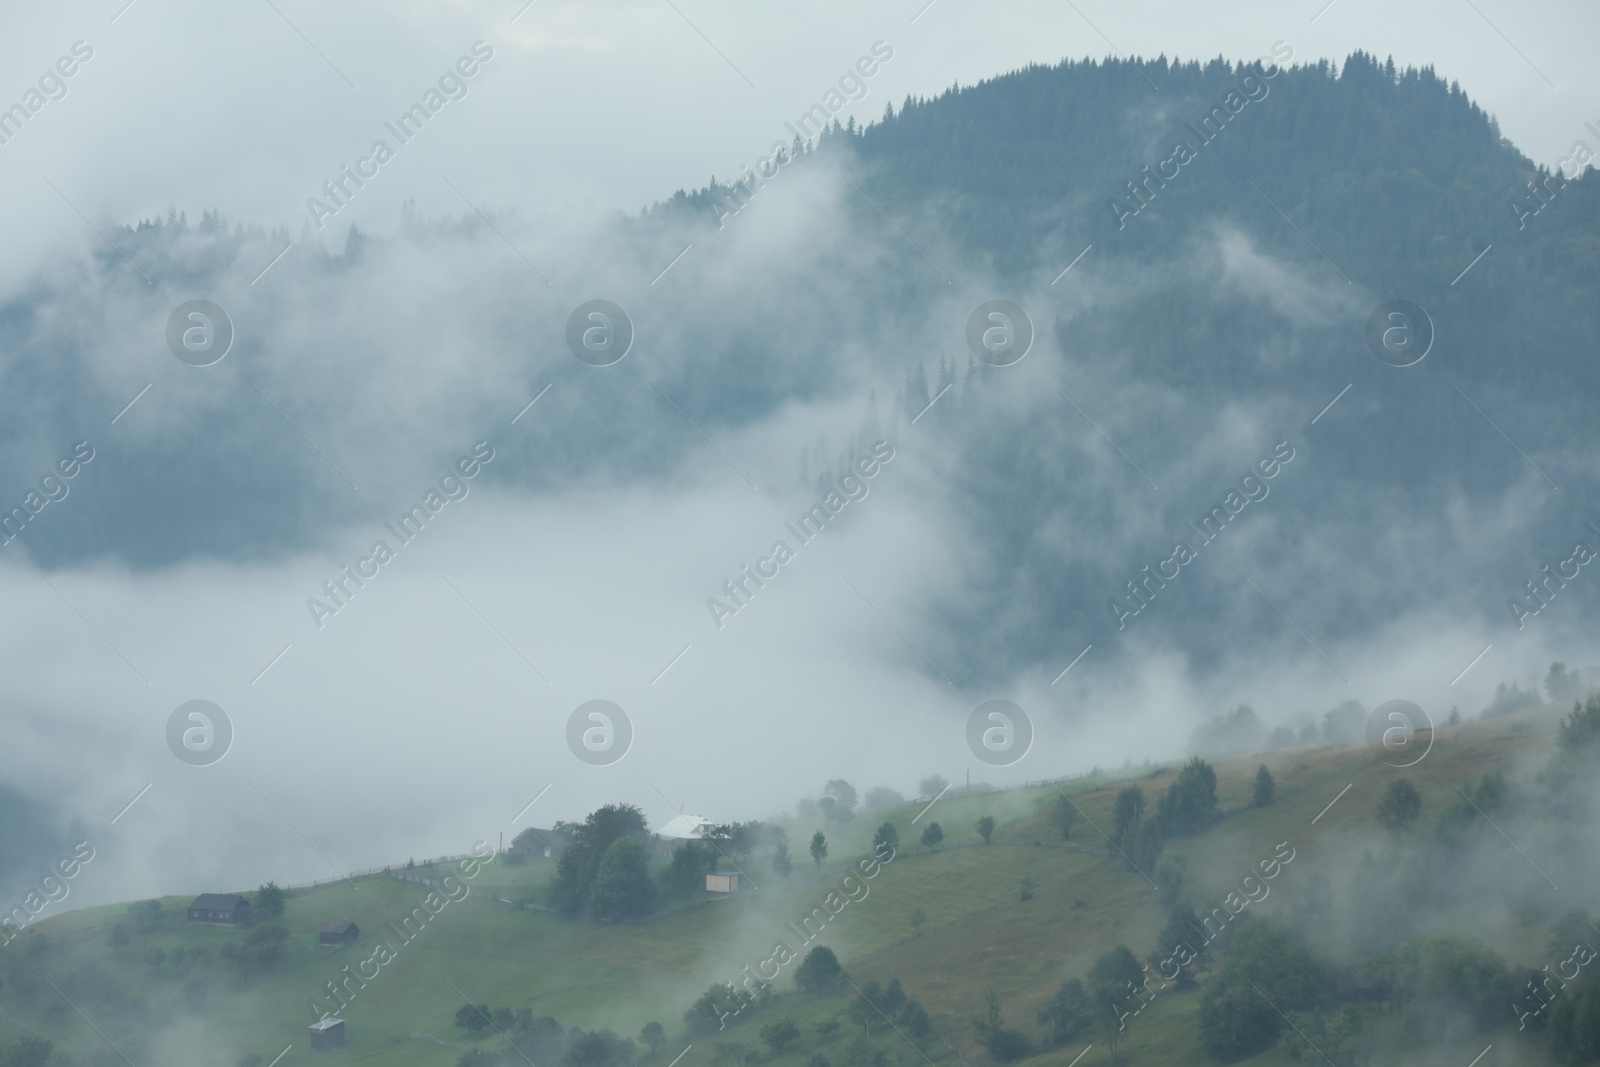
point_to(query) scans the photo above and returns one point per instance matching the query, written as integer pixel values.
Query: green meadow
(1018, 915)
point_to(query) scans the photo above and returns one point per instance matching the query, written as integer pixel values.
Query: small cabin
(536, 844)
(722, 882)
(339, 933)
(221, 909)
(327, 1034)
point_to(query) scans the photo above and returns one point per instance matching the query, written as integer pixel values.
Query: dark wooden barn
(537, 844)
(221, 909)
(339, 933)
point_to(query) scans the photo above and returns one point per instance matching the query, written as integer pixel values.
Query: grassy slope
(979, 933)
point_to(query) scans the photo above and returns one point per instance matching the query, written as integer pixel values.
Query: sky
(612, 105)
(433, 709)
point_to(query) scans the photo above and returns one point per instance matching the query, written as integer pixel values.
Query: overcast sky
(613, 104)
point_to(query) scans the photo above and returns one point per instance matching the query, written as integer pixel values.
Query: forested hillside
(1208, 317)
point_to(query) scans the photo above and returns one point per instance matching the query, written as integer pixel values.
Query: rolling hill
(1018, 916)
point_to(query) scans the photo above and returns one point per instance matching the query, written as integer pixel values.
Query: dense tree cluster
(572, 887)
(521, 1037)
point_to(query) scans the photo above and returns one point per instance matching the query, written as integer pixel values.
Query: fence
(1053, 781)
(392, 868)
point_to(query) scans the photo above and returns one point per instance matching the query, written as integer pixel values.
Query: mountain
(1214, 313)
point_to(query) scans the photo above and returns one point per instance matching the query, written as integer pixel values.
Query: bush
(1315, 1035)
(1142, 846)
(780, 1033)
(913, 1021)
(1451, 984)
(1400, 806)
(1265, 789)
(473, 1018)
(705, 1014)
(598, 1048)
(1574, 1022)
(818, 970)
(866, 1007)
(1007, 1046)
(28, 1052)
(740, 1053)
(858, 1052)
(1126, 811)
(1190, 803)
(1067, 1013)
(1004, 1045)
(1235, 1022)
(1180, 939)
(686, 876)
(1235, 1019)
(1170, 873)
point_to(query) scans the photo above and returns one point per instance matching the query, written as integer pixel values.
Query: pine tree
(1265, 788)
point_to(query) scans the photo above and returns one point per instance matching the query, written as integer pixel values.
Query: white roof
(686, 827)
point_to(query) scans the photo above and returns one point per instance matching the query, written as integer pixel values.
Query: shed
(327, 1034)
(223, 909)
(722, 882)
(339, 933)
(536, 844)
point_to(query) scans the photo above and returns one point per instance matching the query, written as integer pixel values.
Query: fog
(236, 532)
(582, 558)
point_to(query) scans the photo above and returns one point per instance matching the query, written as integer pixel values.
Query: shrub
(1265, 788)
(818, 970)
(473, 1018)
(780, 1033)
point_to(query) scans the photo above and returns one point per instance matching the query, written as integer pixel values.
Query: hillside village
(973, 925)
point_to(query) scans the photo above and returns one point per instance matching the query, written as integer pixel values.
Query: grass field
(979, 933)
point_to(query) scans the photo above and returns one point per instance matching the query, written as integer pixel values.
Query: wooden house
(339, 933)
(221, 909)
(536, 844)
